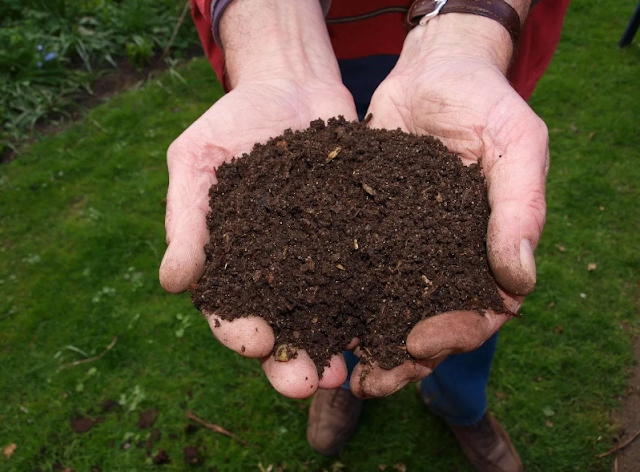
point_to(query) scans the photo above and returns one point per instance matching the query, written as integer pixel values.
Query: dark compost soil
(342, 231)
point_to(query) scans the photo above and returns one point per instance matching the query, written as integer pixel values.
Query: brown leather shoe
(333, 418)
(488, 446)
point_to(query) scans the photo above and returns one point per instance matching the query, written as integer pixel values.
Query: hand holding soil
(250, 113)
(279, 81)
(468, 104)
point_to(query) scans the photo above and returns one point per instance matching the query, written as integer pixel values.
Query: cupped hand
(252, 112)
(466, 101)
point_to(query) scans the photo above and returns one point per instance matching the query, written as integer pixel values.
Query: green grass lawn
(81, 238)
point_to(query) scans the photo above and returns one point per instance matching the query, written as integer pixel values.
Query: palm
(253, 113)
(470, 107)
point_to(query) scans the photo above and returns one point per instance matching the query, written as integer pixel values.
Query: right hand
(252, 112)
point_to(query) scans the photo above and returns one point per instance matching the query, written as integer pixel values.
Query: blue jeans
(457, 389)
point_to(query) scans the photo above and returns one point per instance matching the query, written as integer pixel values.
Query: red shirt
(385, 34)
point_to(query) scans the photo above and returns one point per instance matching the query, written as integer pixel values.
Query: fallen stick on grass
(90, 359)
(214, 427)
(617, 448)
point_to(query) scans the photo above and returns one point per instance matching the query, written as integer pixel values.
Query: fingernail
(527, 261)
(443, 353)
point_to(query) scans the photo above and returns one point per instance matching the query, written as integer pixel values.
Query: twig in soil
(333, 154)
(617, 448)
(176, 29)
(214, 427)
(91, 359)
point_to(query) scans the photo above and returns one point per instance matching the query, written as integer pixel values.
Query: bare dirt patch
(628, 418)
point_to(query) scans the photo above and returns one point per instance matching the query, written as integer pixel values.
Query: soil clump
(342, 231)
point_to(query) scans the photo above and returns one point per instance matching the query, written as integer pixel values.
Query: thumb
(191, 174)
(516, 188)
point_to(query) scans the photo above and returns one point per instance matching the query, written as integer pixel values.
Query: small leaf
(337, 467)
(548, 411)
(9, 450)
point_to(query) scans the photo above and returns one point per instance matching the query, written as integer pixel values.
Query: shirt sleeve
(538, 42)
(201, 14)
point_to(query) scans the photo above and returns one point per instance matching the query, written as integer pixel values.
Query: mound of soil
(342, 231)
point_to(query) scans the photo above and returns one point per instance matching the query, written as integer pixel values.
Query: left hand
(455, 88)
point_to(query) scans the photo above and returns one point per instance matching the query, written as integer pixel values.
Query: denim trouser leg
(351, 359)
(457, 389)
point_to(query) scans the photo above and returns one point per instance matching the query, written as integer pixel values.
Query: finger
(296, 378)
(352, 345)
(334, 375)
(453, 332)
(371, 381)
(250, 336)
(191, 175)
(516, 187)
(382, 111)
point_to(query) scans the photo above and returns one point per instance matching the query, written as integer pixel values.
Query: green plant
(52, 50)
(139, 51)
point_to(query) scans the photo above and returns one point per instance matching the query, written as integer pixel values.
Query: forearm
(464, 34)
(267, 38)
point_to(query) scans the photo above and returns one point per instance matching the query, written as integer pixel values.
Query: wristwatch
(421, 11)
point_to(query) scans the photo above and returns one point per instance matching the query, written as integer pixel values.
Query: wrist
(271, 39)
(470, 34)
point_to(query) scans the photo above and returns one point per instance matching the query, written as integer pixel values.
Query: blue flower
(39, 47)
(50, 56)
(39, 64)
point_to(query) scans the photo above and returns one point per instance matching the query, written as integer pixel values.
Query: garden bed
(58, 57)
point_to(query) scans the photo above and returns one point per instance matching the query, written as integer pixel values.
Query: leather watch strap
(497, 10)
